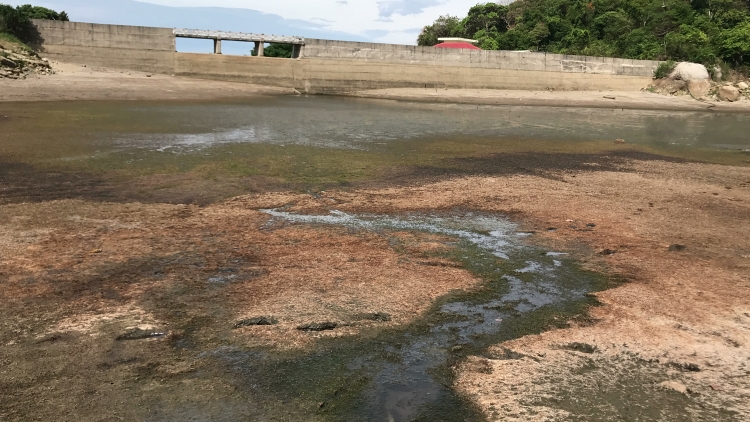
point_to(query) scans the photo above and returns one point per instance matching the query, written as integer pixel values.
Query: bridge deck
(238, 36)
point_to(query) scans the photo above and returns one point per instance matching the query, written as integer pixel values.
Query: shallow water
(332, 122)
(198, 150)
(404, 374)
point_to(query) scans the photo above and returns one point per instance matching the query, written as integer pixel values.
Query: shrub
(664, 69)
(17, 21)
(38, 12)
(11, 21)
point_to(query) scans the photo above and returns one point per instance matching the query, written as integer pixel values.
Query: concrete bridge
(336, 67)
(258, 39)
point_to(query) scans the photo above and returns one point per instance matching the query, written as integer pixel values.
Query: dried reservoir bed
(215, 261)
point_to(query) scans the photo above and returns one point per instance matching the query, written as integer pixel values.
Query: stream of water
(404, 374)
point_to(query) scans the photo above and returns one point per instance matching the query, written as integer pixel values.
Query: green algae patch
(321, 142)
(405, 373)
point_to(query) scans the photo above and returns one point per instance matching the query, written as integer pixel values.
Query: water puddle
(404, 374)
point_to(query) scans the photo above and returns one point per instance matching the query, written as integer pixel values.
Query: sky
(387, 21)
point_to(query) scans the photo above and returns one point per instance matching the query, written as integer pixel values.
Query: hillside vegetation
(712, 32)
(15, 22)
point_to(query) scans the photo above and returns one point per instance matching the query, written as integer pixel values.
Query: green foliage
(734, 44)
(444, 26)
(703, 31)
(38, 12)
(664, 69)
(17, 21)
(277, 50)
(11, 21)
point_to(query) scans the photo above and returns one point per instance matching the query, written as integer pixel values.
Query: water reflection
(365, 124)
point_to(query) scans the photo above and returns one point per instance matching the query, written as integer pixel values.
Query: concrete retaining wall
(127, 47)
(339, 67)
(506, 60)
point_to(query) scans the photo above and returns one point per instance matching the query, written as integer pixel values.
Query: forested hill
(703, 31)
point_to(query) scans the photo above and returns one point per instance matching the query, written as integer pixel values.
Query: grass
(12, 39)
(664, 69)
(4, 36)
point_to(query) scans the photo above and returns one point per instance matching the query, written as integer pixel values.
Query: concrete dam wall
(336, 67)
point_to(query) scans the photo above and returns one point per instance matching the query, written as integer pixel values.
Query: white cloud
(394, 18)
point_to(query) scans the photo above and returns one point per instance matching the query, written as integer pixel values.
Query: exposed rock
(675, 385)
(688, 72)
(694, 75)
(18, 63)
(671, 86)
(677, 247)
(262, 320)
(4, 61)
(729, 93)
(699, 89)
(743, 86)
(318, 326)
(717, 74)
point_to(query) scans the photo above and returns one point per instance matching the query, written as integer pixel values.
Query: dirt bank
(594, 99)
(75, 82)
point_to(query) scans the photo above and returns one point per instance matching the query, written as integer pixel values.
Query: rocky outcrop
(695, 75)
(692, 78)
(729, 93)
(19, 63)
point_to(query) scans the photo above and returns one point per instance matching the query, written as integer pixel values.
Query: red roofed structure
(457, 43)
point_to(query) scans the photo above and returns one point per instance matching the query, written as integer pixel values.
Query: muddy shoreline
(77, 82)
(149, 283)
(643, 100)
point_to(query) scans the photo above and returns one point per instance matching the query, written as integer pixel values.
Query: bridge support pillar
(217, 46)
(296, 51)
(259, 46)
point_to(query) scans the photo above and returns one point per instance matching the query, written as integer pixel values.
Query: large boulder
(699, 89)
(729, 93)
(690, 72)
(697, 78)
(743, 86)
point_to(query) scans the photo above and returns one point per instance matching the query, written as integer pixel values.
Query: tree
(38, 12)
(703, 31)
(277, 50)
(16, 20)
(734, 44)
(11, 21)
(444, 26)
(488, 17)
(689, 43)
